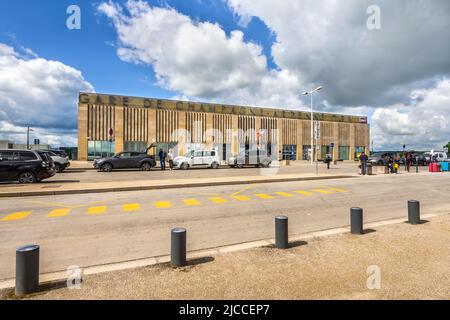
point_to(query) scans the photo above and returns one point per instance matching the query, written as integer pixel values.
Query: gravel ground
(414, 263)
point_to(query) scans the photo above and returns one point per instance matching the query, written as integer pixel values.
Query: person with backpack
(363, 158)
(328, 160)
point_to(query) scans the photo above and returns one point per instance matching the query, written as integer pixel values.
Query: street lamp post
(28, 137)
(312, 120)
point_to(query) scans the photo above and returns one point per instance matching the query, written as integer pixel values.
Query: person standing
(328, 160)
(363, 158)
(409, 160)
(162, 158)
(170, 158)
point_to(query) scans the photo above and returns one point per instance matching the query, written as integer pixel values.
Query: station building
(108, 124)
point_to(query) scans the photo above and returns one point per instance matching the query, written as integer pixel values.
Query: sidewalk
(414, 263)
(55, 188)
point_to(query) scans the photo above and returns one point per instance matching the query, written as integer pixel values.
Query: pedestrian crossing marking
(163, 204)
(338, 190)
(57, 213)
(96, 210)
(17, 216)
(304, 193)
(264, 196)
(130, 207)
(242, 198)
(322, 191)
(218, 200)
(191, 202)
(285, 194)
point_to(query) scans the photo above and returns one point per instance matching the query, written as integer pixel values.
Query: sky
(390, 63)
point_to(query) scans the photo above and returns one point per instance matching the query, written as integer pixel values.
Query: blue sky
(260, 53)
(41, 26)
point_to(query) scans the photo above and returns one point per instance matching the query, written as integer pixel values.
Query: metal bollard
(178, 248)
(413, 212)
(281, 232)
(356, 220)
(27, 270)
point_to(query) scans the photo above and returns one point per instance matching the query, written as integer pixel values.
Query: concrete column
(352, 141)
(336, 141)
(209, 127)
(367, 139)
(82, 132)
(299, 139)
(182, 133)
(280, 139)
(234, 137)
(119, 132)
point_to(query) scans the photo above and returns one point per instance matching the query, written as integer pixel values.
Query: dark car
(25, 166)
(126, 160)
(257, 158)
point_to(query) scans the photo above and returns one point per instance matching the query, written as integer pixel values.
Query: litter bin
(369, 170)
(445, 166)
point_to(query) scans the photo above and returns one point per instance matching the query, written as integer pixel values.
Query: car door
(135, 159)
(122, 161)
(198, 158)
(206, 158)
(7, 171)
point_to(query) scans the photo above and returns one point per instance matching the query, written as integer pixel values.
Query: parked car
(419, 158)
(440, 156)
(59, 158)
(380, 158)
(257, 158)
(198, 158)
(126, 160)
(25, 166)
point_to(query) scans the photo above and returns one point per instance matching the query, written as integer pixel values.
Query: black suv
(25, 166)
(126, 160)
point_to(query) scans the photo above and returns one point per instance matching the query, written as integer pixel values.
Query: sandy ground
(414, 263)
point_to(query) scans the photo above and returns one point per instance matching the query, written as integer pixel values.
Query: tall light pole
(312, 120)
(28, 137)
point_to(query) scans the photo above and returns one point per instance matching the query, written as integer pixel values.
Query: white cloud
(424, 123)
(198, 59)
(40, 93)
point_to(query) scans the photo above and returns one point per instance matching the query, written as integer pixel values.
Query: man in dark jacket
(162, 158)
(363, 158)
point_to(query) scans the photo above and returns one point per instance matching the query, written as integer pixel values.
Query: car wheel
(58, 168)
(27, 177)
(215, 165)
(380, 163)
(240, 165)
(185, 166)
(265, 165)
(146, 166)
(106, 167)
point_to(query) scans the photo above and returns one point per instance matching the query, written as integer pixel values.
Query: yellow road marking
(285, 194)
(17, 216)
(97, 210)
(264, 196)
(163, 204)
(242, 190)
(242, 198)
(130, 207)
(191, 202)
(338, 190)
(218, 200)
(322, 191)
(58, 213)
(304, 193)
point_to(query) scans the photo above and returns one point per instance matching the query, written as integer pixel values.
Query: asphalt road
(93, 229)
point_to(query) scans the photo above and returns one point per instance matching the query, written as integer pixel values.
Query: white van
(440, 156)
(198, 158)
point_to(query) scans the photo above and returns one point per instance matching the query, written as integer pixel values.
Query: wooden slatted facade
(143, 121)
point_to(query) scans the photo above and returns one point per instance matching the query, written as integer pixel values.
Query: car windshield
(189, 154)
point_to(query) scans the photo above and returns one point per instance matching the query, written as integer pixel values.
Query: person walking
(328, 160)
(363, 158)
(170, 158)
(396, 164)
(409, 160)
(162, 158)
